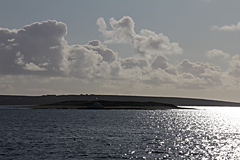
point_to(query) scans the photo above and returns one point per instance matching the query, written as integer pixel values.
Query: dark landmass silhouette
(105, 105)
(117, 101)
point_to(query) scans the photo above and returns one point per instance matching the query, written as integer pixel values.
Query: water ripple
(120, 134)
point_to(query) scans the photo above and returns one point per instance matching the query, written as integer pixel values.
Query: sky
(152, 48)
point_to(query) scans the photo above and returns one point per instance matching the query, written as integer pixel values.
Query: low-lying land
(105, 105)
(107, 102)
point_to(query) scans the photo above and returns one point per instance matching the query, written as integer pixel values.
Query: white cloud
(27, 49)
(160, 61)
(81, 62)
(19, 58)
(107, 54)
(41, 47)
(147, 43)
(216, 52)
(227, 27)
(234, 69)
(40, 50)
(208, 74)
(33, 67)
(160, 78)
(93, 60)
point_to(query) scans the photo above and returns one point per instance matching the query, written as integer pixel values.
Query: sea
(55, 134)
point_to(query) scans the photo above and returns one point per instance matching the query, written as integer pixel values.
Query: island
(105, 105)
(86, 101)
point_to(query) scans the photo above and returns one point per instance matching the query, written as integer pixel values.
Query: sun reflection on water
(228, 117)
(203, 133)
(219, 131)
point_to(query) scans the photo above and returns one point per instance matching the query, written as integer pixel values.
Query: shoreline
(113, 100)
(105, 105)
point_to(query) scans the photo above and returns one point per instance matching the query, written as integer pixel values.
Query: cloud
(234, 69)
(216, 52)
(33, 67)
(8, 88)
(205, 74)
(81, 62)
(196, 68)
(130, 63)
(107, 54)
(40, 50)
(160, 62)
(227, 27)
(93, 60)
(160, 78)
(146, 44)
(185, 75)
(35, 47)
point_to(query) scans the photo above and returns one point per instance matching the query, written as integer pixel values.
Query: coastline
(105, 105)
(107, 101)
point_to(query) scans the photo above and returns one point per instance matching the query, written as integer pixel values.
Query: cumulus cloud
(81, 62)
(93, 60)
(107, 54)
(33, 67)
(208, 74)
(232, 27)
(234, 69)
(146, 43)
(160, 78)
(35, 47)
(196, 68)
(40, 49)
(216, 53)
(130, 63)
(160, 62)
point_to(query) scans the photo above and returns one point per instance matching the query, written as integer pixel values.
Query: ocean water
(206, 133)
